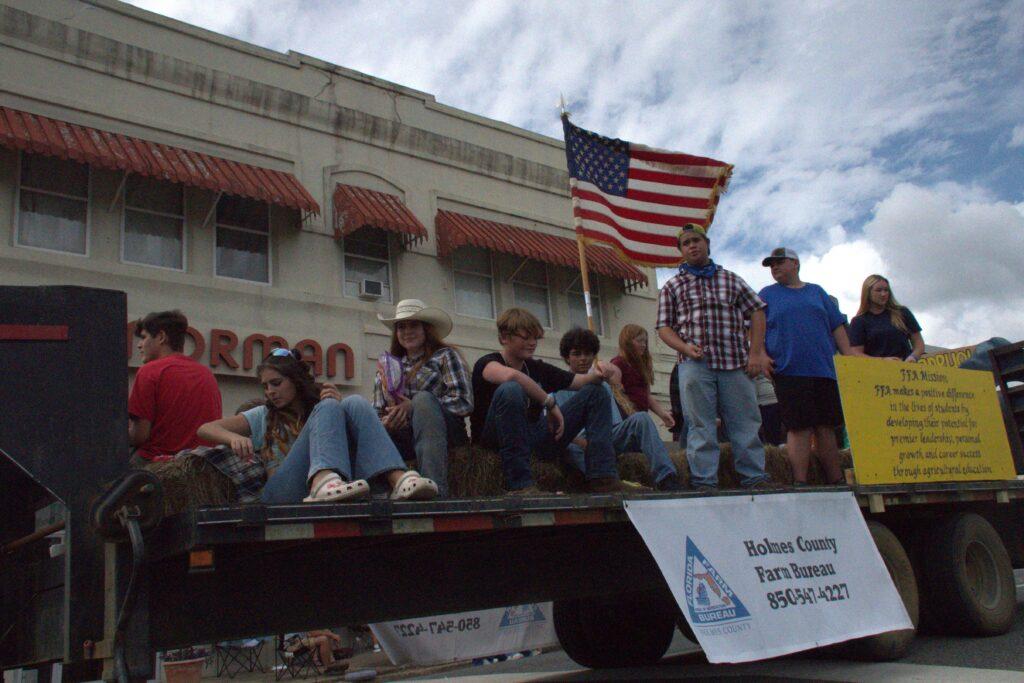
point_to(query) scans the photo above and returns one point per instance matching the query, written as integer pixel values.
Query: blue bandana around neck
(707, 270)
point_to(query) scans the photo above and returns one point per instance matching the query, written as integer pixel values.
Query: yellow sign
(913, 423)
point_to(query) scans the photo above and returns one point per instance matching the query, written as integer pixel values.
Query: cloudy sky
(871, 137)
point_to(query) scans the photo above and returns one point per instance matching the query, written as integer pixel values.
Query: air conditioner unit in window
(371, 289)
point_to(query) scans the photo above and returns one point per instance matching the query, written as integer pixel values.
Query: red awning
(455, 230)
(43, 135)
(358, 207)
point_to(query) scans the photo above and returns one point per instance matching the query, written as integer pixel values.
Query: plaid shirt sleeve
(248, 477)
(667, 306)
(747, 300)
(455, 393)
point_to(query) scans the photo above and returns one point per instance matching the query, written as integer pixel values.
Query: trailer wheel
(891, 645)
(684, 627)
(969, 577)
(621, 631)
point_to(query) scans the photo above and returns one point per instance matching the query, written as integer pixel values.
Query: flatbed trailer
(112, 598)
(522, 550)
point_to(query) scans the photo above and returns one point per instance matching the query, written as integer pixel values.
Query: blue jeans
(431, 432)
(344, 436)
(636, 433)
(704, 394)
(515, 436)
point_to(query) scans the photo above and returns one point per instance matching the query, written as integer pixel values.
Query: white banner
(467, 635)
(763, 576)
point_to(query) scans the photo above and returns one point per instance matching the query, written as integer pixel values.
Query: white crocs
(414, 487)
(334, 489)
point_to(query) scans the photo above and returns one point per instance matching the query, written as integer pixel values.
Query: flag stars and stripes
(636, 197)
(594, 161)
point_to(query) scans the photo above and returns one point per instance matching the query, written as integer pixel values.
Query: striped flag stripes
(636, 198)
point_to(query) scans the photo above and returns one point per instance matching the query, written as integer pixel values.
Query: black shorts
(807, 402)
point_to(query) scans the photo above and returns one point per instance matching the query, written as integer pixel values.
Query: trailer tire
(892, 645)
(971, 589)
(621, 631)
(684, 627)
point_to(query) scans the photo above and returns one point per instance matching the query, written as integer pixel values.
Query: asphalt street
(931, 658)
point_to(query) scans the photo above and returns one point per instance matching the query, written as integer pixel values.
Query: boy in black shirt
(509, 389)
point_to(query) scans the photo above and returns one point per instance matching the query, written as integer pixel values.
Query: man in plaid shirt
(702, 314)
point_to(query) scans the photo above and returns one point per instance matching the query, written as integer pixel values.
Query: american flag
(636, 198)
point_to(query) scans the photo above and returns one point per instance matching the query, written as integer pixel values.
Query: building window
(243, 239)
(530, 288)
(474, 282)
(367, 257)
(53, 204)
(154, 223)
(577, 307)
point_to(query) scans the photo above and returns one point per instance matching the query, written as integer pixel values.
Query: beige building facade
(327, 196)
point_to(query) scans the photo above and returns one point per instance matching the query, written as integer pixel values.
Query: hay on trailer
(776, 465)
(634, 467)
(473, 472)
(190, 482)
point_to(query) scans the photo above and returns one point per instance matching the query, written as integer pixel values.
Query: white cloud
(951, 253)
(840, 269)
(834, 114)
(1017, 136)
(949, 248)
(951, 259)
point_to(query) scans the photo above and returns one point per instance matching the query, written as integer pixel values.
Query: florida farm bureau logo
(521, 614)
(708, 597)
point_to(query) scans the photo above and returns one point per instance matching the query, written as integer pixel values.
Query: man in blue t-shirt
(804, 329)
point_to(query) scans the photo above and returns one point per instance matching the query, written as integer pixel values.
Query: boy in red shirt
(172, 396)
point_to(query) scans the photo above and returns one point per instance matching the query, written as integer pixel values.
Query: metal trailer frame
(219, 573)
(84, 421)
(268, 569)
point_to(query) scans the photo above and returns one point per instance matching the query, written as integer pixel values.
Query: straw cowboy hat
(414, 309)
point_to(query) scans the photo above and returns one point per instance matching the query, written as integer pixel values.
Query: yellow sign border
(905, 421)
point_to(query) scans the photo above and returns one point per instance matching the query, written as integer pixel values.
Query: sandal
(414, 487)
(334, 489)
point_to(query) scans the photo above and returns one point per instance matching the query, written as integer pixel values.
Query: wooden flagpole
(586, 279)
(581, 245)
(580, 242)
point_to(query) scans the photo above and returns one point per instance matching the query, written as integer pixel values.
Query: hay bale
(678, 458)
(634, 467)
(776, 464)
(474, 472)
(778, 467)
(190, 482)
(726, 474)
(549, 476)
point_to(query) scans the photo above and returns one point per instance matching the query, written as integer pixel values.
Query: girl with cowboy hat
(422, 390)
(314, 445)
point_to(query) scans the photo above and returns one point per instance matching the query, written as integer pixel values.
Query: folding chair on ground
(293, 659)
(235, 656)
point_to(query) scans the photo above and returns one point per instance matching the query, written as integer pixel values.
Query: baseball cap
(694, 228)
(779, 253)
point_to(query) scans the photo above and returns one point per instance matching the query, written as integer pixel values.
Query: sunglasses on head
(282, 353)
